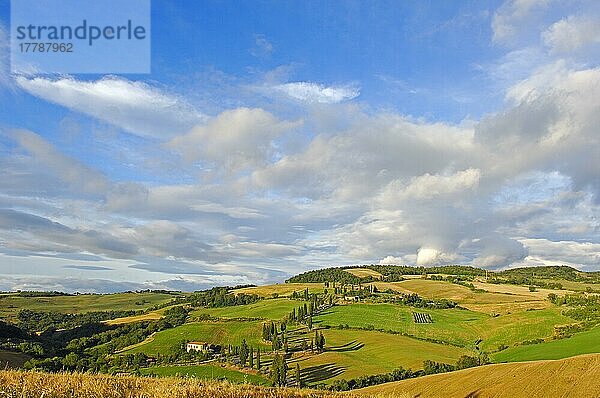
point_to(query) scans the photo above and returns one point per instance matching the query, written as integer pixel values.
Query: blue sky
(275, 137)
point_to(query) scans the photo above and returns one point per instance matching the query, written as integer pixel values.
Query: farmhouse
(198, 346)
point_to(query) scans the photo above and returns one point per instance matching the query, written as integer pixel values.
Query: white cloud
(234, 140)
(136, 107)
(78, 176)
(317, 93)
(428, 186)
(262, 46)
(513, 16)
(572, 33)
(356, 185)
(428, 256)
(391, 260)
(583, 255)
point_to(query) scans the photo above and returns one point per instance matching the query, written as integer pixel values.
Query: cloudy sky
(276, 137)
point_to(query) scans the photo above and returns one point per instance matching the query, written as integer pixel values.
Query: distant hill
(552, 272)
(572, 377)
(396, 272)
(389, 272)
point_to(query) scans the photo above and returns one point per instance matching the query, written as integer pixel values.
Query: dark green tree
(278, 371)
(298, 377)
(244, 353)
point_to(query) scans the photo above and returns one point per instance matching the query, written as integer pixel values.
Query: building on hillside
(199, 346)
(352, 298)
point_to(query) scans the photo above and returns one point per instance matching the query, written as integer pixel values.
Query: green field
(268, 309)
(11, 304)
(581, 343)
(205, 372)
(230, 332)
(455, 326)
(354, 353)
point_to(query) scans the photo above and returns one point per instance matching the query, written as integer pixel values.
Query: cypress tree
(298, 379)
(243, 353)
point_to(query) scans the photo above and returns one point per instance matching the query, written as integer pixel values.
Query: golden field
(577, 377)
(20, 384)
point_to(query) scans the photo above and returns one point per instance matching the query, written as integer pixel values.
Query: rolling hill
(573, 377)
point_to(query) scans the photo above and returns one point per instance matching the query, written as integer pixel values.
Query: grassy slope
(354, 353)
(283, 289)
(213, 332)
(539, 294)
(206, 372)
(452, 325)
(150, 316)
(10, 305)
(455, 326)
(446, 290)
(574, 377)
(580, 343)
(269, 309)
(364, 272)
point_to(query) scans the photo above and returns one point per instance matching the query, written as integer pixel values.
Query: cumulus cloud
(572, 33)
(310, 92)
(235, 139)
(136, 107)
(512, 16)
(428, 256)
(584, 255)
(428, 186)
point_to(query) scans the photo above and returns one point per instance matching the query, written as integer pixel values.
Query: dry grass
(507, 308)
(19, 384)
(364, 273)
(282, 289)
(151, 316)
(539, 294)
(573, 377)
